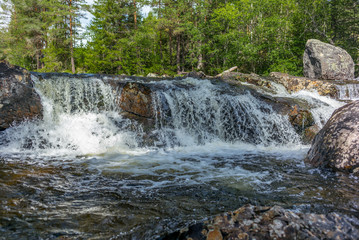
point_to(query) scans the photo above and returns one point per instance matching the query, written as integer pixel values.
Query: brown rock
(337, 144)
(136, 98)
(296, 84)
(251, 222)
(18, 100)
(252, 78)
(300, 119)
(214, 234)
(309, 134)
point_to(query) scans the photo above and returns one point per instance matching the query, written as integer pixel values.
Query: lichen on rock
(325, 61)
(337, 144)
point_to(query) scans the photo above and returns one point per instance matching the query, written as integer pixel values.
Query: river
(85, 171)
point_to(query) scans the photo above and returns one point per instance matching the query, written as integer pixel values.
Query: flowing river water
(86, 172)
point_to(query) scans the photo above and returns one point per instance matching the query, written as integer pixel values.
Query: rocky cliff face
(18, 100)
(325, 61)
(337, 145)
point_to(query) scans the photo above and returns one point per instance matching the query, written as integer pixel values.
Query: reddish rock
(136, 98)
(300, 119)
(18, 100)
(309, 134)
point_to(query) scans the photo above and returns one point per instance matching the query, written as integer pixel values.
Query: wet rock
(325, 61)
(198, 75)
(251, 222)
(18, 99)
(252, 78)
(300, 119)
(309, 134)
(296, 84)
(136, 98)
(337, 145)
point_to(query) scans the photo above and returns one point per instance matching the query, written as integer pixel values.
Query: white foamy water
(211, 148)
(348, 91)
(321, 107)
(200, 133)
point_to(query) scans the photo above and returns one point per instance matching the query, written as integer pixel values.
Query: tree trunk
(71, 40)
(135, 13)
(38, 64)
(170, 47)
(178, 60)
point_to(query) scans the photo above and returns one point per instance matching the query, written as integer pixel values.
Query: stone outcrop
(251, 222)
(18, 99)
(325, 61)
(296, 84)
(252, 78)
(337, 145)
(136, 98)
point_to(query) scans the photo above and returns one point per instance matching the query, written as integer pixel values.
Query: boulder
(325, 61)
(337, 144)
(252, 222)
(18, 99)
(136, 98)
(296, 84)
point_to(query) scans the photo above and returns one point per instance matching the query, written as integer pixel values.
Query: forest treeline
(177, 35)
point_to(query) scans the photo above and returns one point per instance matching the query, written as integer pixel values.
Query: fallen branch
(227, 71)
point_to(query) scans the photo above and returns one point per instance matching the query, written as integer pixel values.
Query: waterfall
(205, 112)
(82, 116)
(348, 91)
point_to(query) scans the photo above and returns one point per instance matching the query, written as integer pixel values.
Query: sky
(145, 10)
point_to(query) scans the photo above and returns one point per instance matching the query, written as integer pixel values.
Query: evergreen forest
(176, 36)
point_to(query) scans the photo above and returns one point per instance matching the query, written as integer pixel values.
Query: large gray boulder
(325, 61)
(18, 99)
(337, 144)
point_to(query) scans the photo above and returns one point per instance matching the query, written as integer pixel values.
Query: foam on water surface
(215, 148)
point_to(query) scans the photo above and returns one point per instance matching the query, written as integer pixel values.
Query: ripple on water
(146, 195)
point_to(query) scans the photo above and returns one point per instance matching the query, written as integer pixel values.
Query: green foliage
(210, 35)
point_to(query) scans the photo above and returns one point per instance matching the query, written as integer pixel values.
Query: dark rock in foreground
(18, 99)
(325, 61)
(250, 222)
(337, 144)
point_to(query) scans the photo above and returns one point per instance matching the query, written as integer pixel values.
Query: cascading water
(88, 171)
(348, 91)
(203, 112)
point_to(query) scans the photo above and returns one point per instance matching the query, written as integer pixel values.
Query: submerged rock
(337, 145)
(325, 61)
(296, 84)
(251, 222)
(18, 99)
